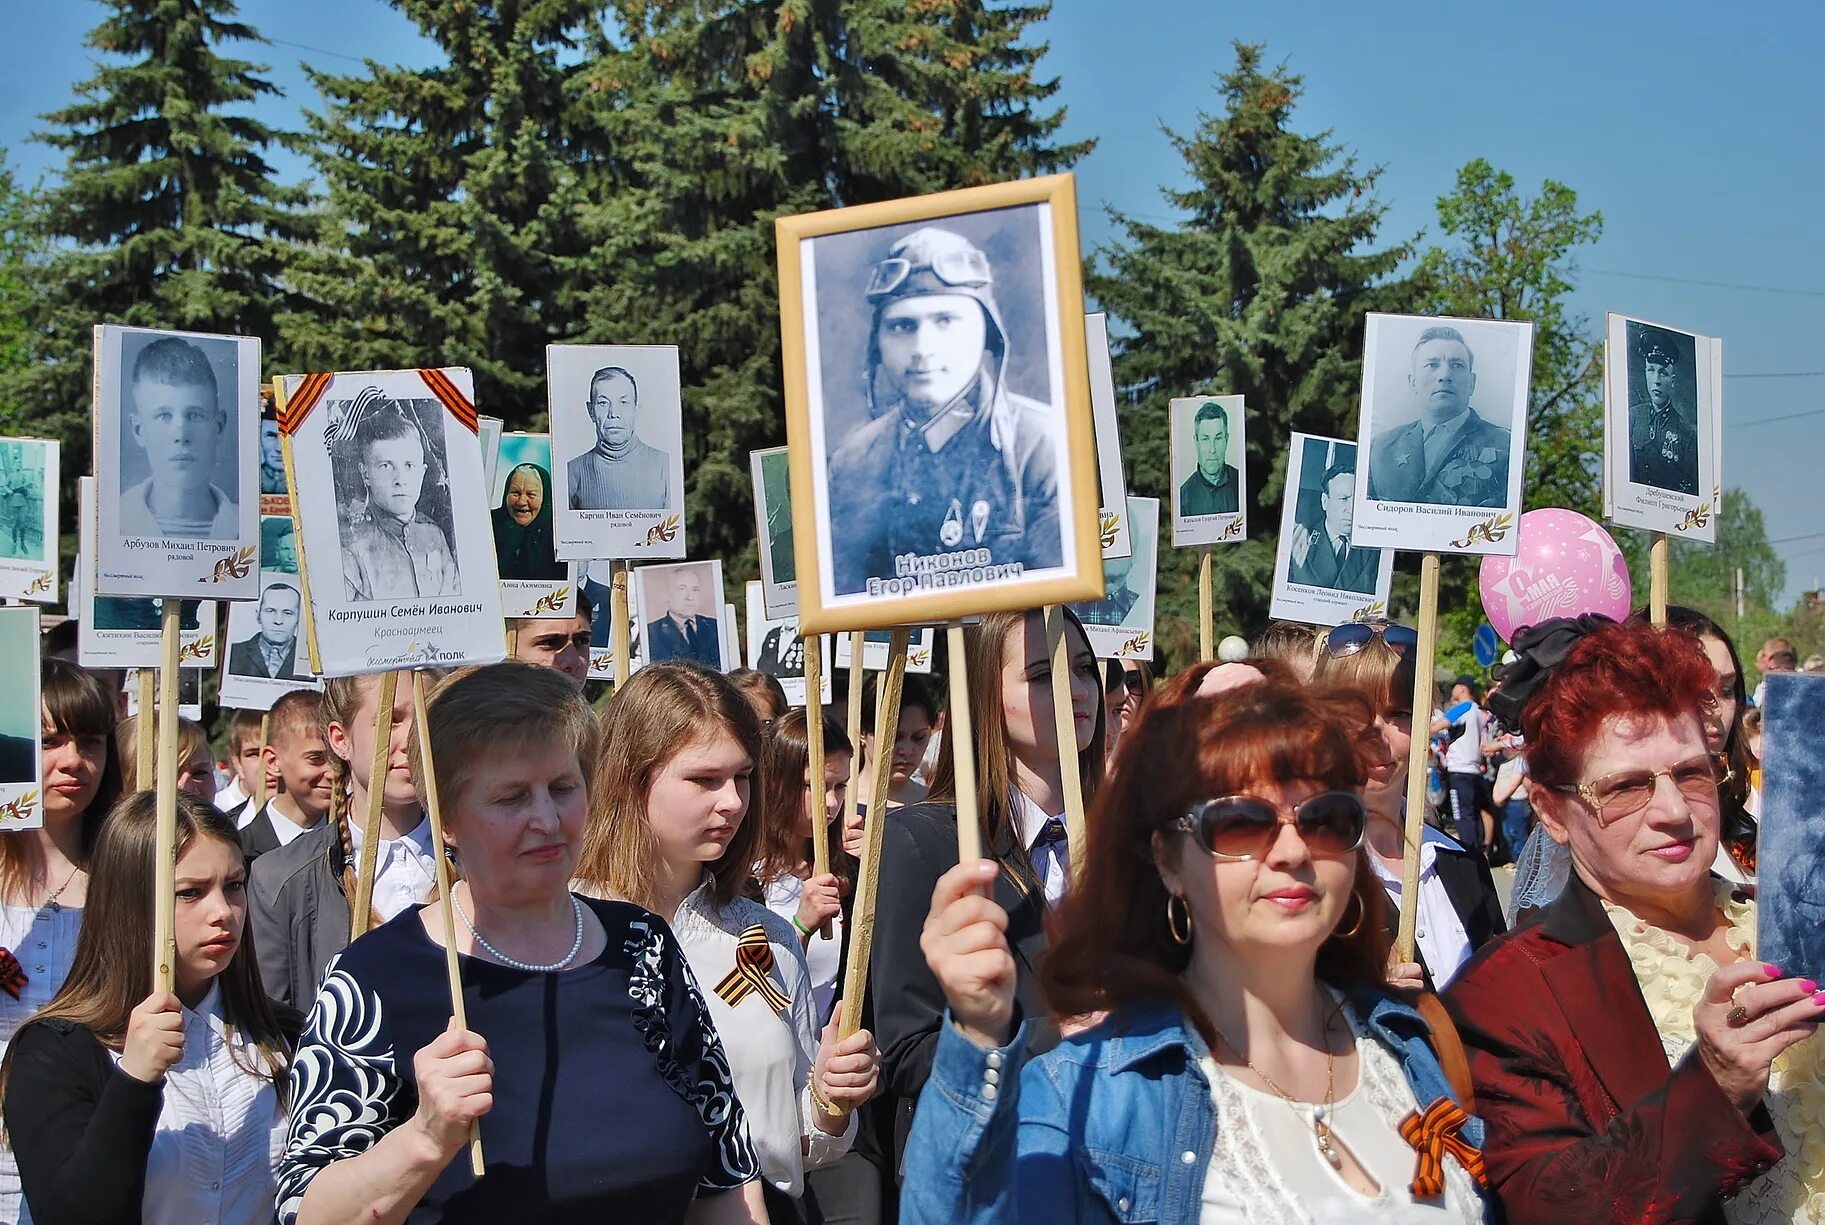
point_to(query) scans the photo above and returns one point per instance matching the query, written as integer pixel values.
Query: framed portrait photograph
(937, 407)
(522, 506)
(397, 565)
(1209, 456)
(595, 580)
(1120, 625)
(128, 631)
(1663, 460)
(1321, 576)
(876, 643)
(176, 463)
(267, 658)
(20, 742)
(28, 519)
(1444, 420)
(189, 694)
(1790, 887)
(776, 648)
(773, 531)
(1112, 485)
(680, 606)
(617, 430)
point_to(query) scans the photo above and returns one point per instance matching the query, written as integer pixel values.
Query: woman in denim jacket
(1233, 1054)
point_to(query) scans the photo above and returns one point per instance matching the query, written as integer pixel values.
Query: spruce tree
(1261, 290)
(713, 118)
(166, 215)
(451, 203)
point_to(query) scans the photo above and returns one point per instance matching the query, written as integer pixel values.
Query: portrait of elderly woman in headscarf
(522, 526)
(1633, 1060)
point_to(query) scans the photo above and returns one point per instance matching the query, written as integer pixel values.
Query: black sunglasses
(1117, 677)
(1332, 824)
(1354, 636)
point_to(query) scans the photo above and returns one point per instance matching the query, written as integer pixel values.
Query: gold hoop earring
(1172, 920)
(1362, 912)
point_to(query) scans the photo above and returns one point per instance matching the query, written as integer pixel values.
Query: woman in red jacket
(1633, 1062)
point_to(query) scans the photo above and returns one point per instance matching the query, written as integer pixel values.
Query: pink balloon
(1565, 565)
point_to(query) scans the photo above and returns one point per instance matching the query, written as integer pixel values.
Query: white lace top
(1265, 1165)
(44, 941)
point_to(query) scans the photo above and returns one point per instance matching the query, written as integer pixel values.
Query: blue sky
(1692, 127)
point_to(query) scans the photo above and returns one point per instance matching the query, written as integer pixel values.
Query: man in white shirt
(1465, 785)
(1444, 944)
(296, 752)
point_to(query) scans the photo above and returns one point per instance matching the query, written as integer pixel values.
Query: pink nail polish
(1818, 999)
(1808, 986)
(1773, 971)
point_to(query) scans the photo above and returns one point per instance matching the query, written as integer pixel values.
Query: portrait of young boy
(173, 414)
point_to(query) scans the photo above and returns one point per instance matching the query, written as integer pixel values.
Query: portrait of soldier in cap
(1663, 425)
(1447, 454)
(949, 458)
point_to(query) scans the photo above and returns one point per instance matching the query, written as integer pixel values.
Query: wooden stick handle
(868, 881)
(1064, 723)
(379, 763)
(1658, 580)
(962, 738)
(617, 611)
(164, 913)
(452, 966)
(259, 779)
(1425, 653)
(145, 736)
(1207, 619)
(814, 763)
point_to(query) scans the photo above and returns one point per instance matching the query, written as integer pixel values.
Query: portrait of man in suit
(1321, 554)
(1448, 455)
(681, 631)
(271, 653)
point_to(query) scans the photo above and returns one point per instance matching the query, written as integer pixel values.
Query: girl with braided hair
(302, 896)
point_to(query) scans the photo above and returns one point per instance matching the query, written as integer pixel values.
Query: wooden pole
(814, 764)
(259, 780)
(145, 738)
(617, 609)
(1657, 580)
(1207, 620)
(1424, 655)
(379, 763)
(868, 878)
(962, 739)
(857, 677)
(1064, 723)
(513, 642)
(452, 967)
(164, 913)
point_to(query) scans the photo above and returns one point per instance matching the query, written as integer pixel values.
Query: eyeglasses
(1626, 792)
(969, 268)
(1117, 677)
(1331, 824)
(1352, 637)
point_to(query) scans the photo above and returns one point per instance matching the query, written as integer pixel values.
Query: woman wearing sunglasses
(1245, 1063)
(1125, 686)
(1459, 909)
(1632, 1059)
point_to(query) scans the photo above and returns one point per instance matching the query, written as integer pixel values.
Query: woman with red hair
(1234, 1055)
(1632, 1060)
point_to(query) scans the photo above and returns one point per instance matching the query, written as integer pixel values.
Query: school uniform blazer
(1471, 888)
(260, 836)
(919, 846)
(1587, 1124)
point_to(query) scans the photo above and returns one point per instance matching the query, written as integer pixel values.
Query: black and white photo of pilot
(1320, 552)
(394, 518)
(178, 452)
(942, 416)
(1429, 442)
(621, 471)
(1663, 408)
(680, 601)
(272, 651)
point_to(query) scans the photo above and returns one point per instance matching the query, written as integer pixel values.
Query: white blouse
(404, 868)
(220, 1131)
(770, 1055)
(1266, 1166)
(823, 957)
(44, 941)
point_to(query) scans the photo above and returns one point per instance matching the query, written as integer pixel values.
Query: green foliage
(1261, 290)
(21, 251)
(166, 214)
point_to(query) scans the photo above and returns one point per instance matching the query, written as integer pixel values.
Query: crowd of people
(1199, 1017)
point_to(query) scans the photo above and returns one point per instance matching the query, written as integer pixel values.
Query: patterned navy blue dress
(612, 1099)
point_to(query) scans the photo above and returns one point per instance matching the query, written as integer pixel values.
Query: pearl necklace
(560, 964)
